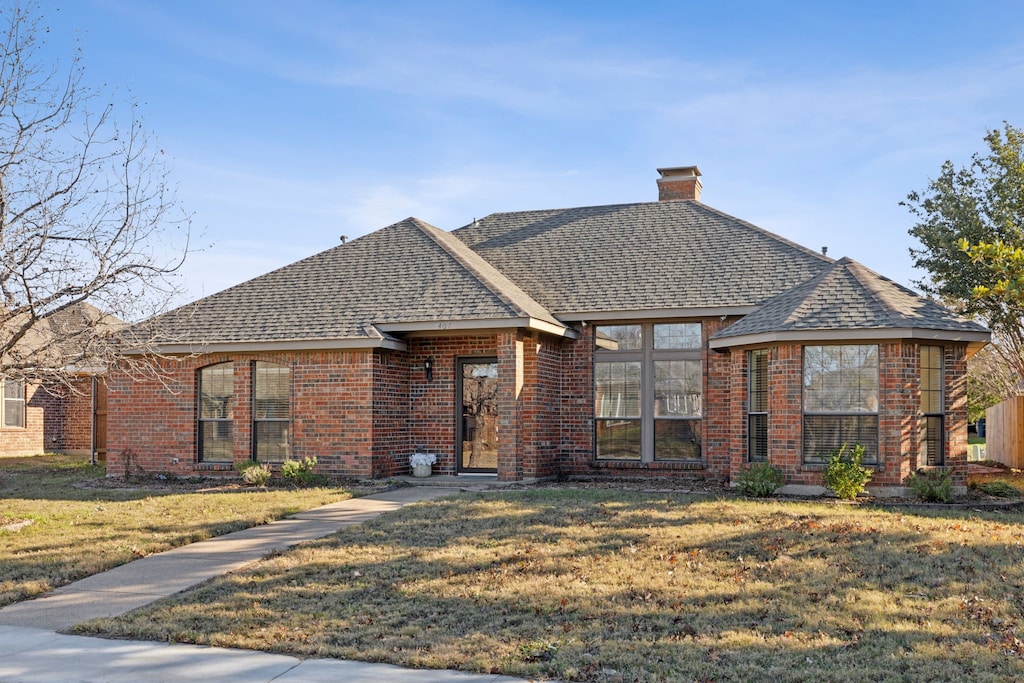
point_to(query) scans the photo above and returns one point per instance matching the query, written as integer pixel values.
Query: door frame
(460, 426)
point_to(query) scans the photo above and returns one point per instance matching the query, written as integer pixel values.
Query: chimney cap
(675, 171)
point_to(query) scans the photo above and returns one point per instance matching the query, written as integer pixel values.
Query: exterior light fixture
(428, 367)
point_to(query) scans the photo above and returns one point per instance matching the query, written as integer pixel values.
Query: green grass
(601, 585)
(77, 531)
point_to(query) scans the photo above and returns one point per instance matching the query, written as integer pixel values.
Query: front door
(477, 422)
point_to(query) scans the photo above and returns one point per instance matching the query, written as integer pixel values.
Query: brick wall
(57, 419)
(29, 439)
(152, 424)
(542, 413)
(361, 413)
(68, 418)
(393, 377)
(432, 410)
(956, 412)
(358, 413)
(576, 404)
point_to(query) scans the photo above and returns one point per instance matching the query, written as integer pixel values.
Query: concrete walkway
(31, 650)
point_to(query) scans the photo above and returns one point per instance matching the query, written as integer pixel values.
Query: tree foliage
(90, 231)
(982, 203)
(970, 223)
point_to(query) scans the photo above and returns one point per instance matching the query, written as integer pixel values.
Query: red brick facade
(363, 412)
(899, 401)
(56, 420)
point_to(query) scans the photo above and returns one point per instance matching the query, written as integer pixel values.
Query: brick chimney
(681, 182)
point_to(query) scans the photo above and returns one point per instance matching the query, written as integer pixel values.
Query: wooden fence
(1004, 432)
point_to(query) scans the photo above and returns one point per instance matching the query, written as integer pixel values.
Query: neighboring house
(656, 338)
(68, 413)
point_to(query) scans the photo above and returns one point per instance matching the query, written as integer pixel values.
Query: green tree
(982, 202)
(970, 223)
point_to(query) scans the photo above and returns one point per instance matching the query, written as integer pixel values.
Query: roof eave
(261, 346)
(975, 339)
(655, 313)
(477, 325)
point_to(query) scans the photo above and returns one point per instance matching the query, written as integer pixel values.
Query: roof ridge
(870, 285)
(478, 267)
(804, 290)
(763, 231)
(551, 210)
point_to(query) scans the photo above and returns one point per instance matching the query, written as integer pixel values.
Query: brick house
(67, 414)
(660, 338)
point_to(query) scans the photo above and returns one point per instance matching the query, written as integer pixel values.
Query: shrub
(760, 480)
(934, 486)
(999, 489)
(845, 476)
(300, 472)
(253, 473)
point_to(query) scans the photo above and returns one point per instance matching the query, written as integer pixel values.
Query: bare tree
(90, 231)
(994, 375)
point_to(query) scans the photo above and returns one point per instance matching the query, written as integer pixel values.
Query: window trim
(647, 355)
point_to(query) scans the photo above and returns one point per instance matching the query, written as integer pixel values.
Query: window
(618, 409)
(271, 411)
(648, 387)
(931, 426)
(840, 400)
(757, 405)
(216, 412)
(14, 403)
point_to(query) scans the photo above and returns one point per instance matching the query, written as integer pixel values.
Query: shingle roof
(654, 255)
(848, 297)
(404, 273)
(76, 337)
(525, 268)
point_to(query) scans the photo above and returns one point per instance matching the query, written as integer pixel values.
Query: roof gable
(408, 272)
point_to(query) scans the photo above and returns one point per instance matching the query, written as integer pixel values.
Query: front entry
(477, 422)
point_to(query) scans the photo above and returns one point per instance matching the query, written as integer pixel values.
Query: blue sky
(289, 124)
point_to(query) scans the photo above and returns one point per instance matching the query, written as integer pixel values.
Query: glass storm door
(477, 422)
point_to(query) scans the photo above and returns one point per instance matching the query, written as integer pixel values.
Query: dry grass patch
(597, 585)
(78, 528)
(999, 481)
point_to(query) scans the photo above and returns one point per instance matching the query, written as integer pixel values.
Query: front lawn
(61, 521)
(603, 585)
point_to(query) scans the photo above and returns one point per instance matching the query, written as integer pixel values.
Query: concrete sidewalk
(32, 651)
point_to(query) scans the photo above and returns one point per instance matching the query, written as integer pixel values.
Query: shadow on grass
(571, 584)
